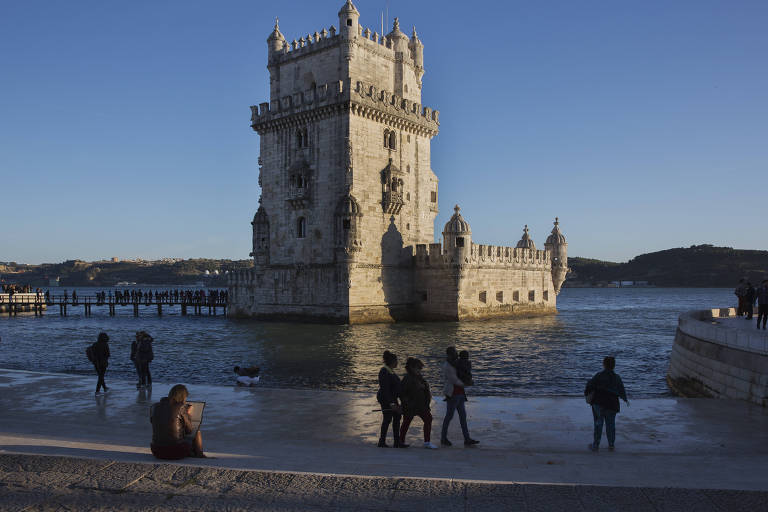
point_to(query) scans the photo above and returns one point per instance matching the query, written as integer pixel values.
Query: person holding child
(453, 389)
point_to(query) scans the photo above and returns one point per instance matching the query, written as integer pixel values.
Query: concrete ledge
(33, 482)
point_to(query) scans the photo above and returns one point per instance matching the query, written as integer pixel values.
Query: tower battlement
(431, 255)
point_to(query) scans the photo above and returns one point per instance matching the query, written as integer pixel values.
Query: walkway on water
(661, 443)
(38, 303)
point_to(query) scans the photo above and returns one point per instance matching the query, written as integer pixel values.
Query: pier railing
(38, 302)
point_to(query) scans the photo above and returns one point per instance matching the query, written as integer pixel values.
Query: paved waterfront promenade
(685, 444)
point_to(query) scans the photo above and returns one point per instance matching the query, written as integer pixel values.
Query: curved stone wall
(716, 356)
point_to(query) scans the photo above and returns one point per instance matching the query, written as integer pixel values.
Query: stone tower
(344, 231)
(345, 175)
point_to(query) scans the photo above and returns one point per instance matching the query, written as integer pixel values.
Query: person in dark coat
(388, 396)
(134, 358)
(144, 356)
(172, 432)
(761, 298)
(749, 300)
(607, 388)
(101, 360)
(416, 400)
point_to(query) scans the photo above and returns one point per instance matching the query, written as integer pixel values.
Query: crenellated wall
(484, 281)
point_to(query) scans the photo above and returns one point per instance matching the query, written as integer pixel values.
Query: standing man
(739, 293)
(99, 355)
(749, 299)
(606, 388)
(134, 356)
(453, 389)
(144, 356)
(761, 298)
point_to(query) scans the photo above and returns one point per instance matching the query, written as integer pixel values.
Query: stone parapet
(713, 359)
(431, 255)
(370, 101)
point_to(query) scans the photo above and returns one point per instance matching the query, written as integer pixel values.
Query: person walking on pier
(98, 354)
(387, 396)
(416, 400)
(761, 298)
(605, 388)
(453, 389)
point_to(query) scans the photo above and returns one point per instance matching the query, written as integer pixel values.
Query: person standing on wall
(739, 293)
(98, 354)
(749, 300)
(453, 389)
(605, 388)
(387, 396)
(761, 299)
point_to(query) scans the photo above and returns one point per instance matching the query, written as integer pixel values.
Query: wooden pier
(37, 303)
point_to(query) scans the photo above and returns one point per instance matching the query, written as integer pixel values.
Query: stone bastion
(719, 355)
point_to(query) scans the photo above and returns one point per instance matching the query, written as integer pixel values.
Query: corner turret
(398, 39)
(417, 52)
(260, 237)
(558, 253)
(275, 41)
(349, 21)
(526, 242)
(457, 237)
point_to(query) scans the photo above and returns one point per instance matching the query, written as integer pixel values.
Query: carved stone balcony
(299, 197)
(392, 202)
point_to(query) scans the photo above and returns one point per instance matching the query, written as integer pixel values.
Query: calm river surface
(526, 357)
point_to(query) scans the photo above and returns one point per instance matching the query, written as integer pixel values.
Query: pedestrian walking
(416, 400)
(455, 397)
(603, 392)
(388, 397)
(98, 354)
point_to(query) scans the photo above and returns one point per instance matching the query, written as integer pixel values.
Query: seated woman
(172, 435)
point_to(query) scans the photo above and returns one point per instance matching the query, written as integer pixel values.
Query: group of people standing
(748, 297)
(410, 397)
(141, 355)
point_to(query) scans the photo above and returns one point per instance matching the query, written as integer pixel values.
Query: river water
(521, 357)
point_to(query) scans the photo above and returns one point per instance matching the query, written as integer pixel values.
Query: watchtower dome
(558, 254)
(457, 235)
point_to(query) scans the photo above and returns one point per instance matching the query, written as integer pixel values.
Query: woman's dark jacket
(608, 388)
(101, 353)
(415, 395)
(389, 387)
(170, 423)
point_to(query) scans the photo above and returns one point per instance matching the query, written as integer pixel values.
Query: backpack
(90, 353)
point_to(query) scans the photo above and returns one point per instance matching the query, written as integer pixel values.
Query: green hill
(695, 266)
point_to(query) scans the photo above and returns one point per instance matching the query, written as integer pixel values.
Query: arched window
(392, 141)
(299, 139)
(301, 227)
(386, 139)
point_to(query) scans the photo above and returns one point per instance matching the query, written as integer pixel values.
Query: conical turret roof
(457, 225)
(526, 242)
(556, 237)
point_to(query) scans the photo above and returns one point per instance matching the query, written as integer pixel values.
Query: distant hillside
(102, 273)
(695, 266)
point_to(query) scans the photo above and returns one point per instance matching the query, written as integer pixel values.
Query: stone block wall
(710, 360)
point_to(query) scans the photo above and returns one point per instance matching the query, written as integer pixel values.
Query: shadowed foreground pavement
(279, 449)
(31, 483)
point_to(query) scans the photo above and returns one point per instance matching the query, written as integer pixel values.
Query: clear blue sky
(124, 126)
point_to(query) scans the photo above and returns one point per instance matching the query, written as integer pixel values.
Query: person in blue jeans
(453, 389)
(608, 388)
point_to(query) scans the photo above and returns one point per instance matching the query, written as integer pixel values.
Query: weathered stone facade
(349, 197)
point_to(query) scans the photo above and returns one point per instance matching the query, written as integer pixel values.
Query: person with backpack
(98, 354)
(144, 355)
(603, 392)
(388, 397)
(455, 396)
